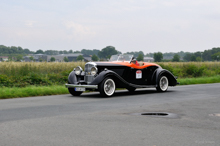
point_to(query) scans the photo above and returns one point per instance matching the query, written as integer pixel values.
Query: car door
(137, 76)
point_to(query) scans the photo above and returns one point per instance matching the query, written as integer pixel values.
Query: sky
(128, 25)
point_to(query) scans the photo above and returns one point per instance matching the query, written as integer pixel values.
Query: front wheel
(163, 84)
(73, 92)
(107, 87)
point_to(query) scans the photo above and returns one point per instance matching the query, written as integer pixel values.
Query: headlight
(94, 71)
(78, 70)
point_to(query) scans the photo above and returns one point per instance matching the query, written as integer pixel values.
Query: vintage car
(119, 72)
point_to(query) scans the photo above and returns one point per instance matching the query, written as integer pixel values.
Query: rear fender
(159, 72)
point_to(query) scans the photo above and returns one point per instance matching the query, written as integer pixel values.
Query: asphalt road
(90, 120)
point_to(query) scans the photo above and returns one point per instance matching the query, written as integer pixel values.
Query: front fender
(72, 78)
(159, 72)
(102, 75)
(120, 82)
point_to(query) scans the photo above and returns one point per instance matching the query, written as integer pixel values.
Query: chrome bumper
(81, 86)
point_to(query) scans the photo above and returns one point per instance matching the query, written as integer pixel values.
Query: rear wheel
(163, 84)
(73, 92)
(107, 87)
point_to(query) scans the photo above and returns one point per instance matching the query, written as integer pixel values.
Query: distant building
(148, 59)
(58, 58)
(27, 59)
(3, 58)
(70, 57)
(87, 58)
(39, 57)
(36, 58)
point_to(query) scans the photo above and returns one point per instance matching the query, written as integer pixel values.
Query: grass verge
(16, 92)
(200, 80)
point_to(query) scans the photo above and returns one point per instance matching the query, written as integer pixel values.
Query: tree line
(105, 53)
(208, 55)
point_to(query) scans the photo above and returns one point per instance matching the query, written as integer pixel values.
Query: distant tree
(140, 57)
(10, 58)
(216, 56)
(136, 53)
(198, 59)
(90, 52)
(52, 59)
(20, 50)
(95, 58)
(193, 58)
(41, 60)
(51, 52)
(207, 55)
(95, 51)
(86, 52)
(39, 52)
(197, 54)
(107, 52)
(158, 57)
(19, 58)
(76, 52)
(150, 55)
(187, 57)
(176, 58)
(65, 52)
(31, 58)
(80, 58)
(27, 51)
(65, 59)
(13, 50)
(70, 51)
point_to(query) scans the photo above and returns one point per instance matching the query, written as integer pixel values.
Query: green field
(22, 79)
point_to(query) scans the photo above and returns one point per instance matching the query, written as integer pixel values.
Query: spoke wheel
(73, 92)
(163, 84)
(107, 87)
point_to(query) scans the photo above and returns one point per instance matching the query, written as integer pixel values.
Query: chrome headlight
(94, 71)
(78, 70)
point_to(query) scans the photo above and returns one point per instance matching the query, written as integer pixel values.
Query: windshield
(121, 58)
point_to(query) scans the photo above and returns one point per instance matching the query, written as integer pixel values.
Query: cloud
(30, 23)
(78, 31)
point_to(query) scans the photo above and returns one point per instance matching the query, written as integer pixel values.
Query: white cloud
(30, 23)
(78, 31)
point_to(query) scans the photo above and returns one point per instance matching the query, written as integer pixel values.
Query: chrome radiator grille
(88, 77)
(88, 67)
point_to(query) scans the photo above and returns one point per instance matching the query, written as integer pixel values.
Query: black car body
(119, 72)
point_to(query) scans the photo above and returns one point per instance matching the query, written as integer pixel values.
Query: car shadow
(121, 93)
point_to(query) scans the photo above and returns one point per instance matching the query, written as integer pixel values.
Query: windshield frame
(121, 58)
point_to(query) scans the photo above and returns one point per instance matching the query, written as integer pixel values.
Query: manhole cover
(216, 114)
(155, 114)
(158, 114)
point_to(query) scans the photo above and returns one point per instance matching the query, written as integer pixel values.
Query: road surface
(90, 120)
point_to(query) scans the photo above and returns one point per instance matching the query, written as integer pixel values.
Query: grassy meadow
(192, 69)
(23, 79)
(22, 74)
